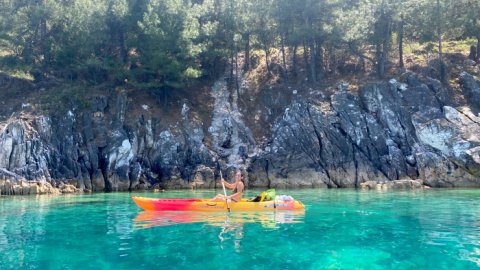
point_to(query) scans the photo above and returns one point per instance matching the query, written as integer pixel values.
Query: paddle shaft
(224, 192)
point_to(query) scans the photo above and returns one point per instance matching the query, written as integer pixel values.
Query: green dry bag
(268, 195)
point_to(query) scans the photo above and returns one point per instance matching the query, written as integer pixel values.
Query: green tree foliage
(167, 55)
(165, 44)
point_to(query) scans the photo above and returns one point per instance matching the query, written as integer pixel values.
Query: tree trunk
(326, 59)
(266, 58)
(440, 46)
(232, 64)
(313, 70)
(311, 44)
(284, 61)
(400, 43)
(123, 45)
(380, 61)
(294, 61)
(382, 30)
(305, 56)
(478, 48)
(333, 61)
(386, 42)
(237, 86)
(319, 59)
(473, 53)
(246, 65)
(440, 59)
(42, 37)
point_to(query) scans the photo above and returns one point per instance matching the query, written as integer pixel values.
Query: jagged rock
(33, 189)
(385, 132)
(352, 140)
(405, 184)
(301, 178)
(6, 187)
(345, 142)
(369, 185)
(96, 151)
(69, 189)
(47, 188)
(231, 137)
(449, 149)
(203, 177)
(455, 136)
(29, 188)
(471, 90)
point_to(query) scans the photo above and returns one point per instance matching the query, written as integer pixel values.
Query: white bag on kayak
(283, 198)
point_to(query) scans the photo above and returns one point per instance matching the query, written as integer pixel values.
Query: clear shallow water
(340, 229)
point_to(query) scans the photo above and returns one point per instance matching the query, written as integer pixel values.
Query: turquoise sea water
(340, 229)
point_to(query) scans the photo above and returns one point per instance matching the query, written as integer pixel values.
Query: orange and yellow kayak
(152, 204)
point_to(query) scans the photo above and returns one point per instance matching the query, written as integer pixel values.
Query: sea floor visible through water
(339, 229)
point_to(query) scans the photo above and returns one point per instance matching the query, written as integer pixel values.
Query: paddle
(224, 192)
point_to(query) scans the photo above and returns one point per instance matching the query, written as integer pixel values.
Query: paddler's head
(238, 176)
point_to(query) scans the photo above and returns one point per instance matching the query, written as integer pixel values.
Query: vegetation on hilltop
(167, 44)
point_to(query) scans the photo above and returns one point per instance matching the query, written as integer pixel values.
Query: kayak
(152, 204)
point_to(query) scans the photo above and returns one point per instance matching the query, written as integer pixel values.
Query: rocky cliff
(383, 131)
(387, 131)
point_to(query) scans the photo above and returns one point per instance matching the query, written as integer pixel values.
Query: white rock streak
(227, 123)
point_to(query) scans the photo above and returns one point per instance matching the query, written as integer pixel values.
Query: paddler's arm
(228, 185)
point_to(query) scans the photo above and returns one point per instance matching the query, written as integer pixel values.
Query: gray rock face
(384, 133)
(471, 88)
(232, 139)
(390, 131)
(454, 137)
(22, 152)
(341, 143)
(97, 151)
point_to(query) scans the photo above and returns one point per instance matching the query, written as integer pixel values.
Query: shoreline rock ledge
(35, 188)
(406, 184)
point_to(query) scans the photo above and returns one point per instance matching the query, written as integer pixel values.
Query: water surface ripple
(340, 229)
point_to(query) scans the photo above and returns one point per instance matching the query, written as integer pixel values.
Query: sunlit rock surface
(384, 132)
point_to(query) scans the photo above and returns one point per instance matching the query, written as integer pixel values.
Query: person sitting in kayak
(238, 187)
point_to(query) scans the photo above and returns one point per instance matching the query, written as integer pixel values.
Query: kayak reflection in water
(231, 231)
(231, 224)
(148, 219)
